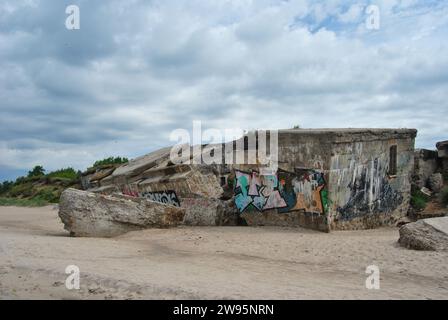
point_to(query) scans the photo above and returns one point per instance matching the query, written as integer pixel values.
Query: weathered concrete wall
(296, 194)
(304, 149)
(209, 212)
(445, 168)
(362, 192)
(442, 148)
(282, 198)
(426, 162)
(330, 179)
(182, 180)
(286, 219)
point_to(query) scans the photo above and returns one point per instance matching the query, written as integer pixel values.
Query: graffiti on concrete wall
(301, 191)
(128, 191)
(167, 197)
(370, 191)
(304, 190)
(255, 191)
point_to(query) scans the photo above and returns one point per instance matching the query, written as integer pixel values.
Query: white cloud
(135, 71)
(353, 13)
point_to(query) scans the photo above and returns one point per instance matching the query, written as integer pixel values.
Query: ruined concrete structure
(425, 164)
(431, 167)
(442, 152)
(326, 179)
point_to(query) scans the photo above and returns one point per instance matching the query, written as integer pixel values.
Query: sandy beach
(210, 263)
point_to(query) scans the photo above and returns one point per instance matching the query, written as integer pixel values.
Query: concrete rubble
(442, 148)
(209, 212)
(435, 182)
(426, 191)
(425, 164)
(427, 234)
(87, 214)
(431, 167)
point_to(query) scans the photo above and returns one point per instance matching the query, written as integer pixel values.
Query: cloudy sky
(136, 70)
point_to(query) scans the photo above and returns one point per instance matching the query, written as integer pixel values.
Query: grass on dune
(23, 202)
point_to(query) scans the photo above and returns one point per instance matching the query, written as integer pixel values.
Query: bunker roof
(335, 135)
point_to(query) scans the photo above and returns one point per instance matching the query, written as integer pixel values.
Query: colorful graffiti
(301, 191)
(304, 190)
(260, 192)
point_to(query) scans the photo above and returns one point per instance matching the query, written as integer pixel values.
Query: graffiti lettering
(305, 191)
(167, 197)
(260, 192)
(302, 191)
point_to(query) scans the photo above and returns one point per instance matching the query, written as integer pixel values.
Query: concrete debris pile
(209, 212)
(442, 151)
(87, 214)
(195, 188)
(153, 175)
(426, 234)
(431, 167)
(435, 182)
(429, 180)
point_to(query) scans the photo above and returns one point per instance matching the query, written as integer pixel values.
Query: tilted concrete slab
(141, 164)
(440, 224)
(87, 214)
(426, 234)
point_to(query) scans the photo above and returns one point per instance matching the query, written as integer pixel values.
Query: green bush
(419, 200)
(62, 182)
(6, 186)
(47, 195)
(68, 173)
(23, 180)
(20, 180)
(21, 190)
(37, 171)
(37, 188)
(110, 160)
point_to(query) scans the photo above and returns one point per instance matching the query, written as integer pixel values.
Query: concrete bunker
(327, 179)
